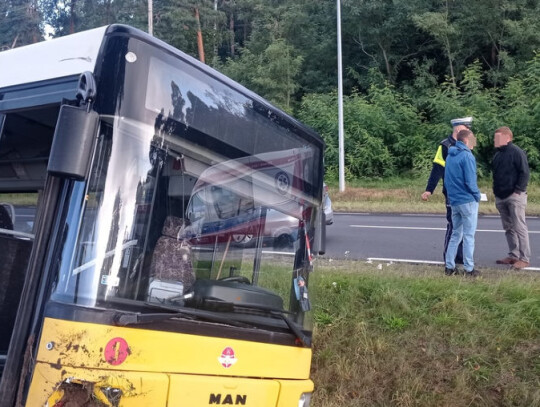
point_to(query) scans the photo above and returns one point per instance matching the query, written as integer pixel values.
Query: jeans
(464, 220)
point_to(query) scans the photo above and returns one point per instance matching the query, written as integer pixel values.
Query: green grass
(403, 195)
(24, 199)
(410, 336)
(275, 271)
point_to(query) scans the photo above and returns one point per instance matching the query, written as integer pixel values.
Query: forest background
(409, 65)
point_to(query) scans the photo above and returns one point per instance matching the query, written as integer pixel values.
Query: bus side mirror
(72, 144)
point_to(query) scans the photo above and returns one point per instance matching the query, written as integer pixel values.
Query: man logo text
(228, 399)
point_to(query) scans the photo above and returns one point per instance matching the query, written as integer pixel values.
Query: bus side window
(6, 220)
(15, 255)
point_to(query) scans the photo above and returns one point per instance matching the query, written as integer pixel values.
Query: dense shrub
(395, 132)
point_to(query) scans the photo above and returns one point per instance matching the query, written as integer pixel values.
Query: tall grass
(410, 336)
(403, 195)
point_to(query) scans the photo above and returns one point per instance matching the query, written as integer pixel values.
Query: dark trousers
(449, 229)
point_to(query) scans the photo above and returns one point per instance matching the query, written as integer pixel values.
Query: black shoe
(449, 272)
(473, 273)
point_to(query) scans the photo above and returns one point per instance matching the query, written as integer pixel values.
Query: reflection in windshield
(114, 224)
(203, 200)
(154, 224)
(188, 93)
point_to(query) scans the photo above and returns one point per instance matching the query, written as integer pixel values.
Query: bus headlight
(305, 400)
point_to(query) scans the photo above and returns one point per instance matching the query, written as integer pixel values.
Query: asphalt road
(417, 238)
(24, 219)
(399, 237)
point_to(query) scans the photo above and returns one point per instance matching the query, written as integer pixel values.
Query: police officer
(437, 172)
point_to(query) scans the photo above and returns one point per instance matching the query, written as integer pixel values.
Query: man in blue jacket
(437, 173)
(464, 195)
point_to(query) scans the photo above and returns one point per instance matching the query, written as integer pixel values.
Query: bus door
(25, 142)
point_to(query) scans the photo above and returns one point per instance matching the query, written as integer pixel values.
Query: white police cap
(465, 121)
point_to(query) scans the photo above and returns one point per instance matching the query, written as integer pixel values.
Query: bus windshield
(197, 198)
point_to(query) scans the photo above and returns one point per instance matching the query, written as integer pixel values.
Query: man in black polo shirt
(510, 178)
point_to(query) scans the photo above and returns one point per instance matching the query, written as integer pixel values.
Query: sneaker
(520, 264)
(473, 273)
(507, 260)
(449, 272)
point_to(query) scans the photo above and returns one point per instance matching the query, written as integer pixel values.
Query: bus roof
(76, 53)
(57, 58)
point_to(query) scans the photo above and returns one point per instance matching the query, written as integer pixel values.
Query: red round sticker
(227, 358)
(116, 351)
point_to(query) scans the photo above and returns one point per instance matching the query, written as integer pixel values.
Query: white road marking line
(419, 215)
(394, 227)
(498, 216)
(419, 228)
(427, 262)
(16, 233)
(502, 231)
(427, 215)
(282, 253)
(404, 260)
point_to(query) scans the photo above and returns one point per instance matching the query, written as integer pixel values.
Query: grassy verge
(403, 195)
(23, 199)
(408, 336)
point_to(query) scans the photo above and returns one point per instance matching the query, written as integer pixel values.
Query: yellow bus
(130, 176)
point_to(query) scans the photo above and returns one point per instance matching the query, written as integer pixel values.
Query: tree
(179, 22)
(70, 16)
(440, 25)
(384, 35)
(19, 23)
(278, 72)
(273, 73)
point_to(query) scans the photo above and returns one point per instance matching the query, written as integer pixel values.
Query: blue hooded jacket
(460, 175)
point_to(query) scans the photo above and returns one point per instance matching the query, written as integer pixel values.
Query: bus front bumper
(55, 386)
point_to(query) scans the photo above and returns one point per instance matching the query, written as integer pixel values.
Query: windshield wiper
(125, 319)
(220, 305)
(305, 340)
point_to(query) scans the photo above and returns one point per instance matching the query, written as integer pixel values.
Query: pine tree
(19, 23)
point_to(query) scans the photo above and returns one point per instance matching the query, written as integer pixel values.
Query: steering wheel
(236, 279)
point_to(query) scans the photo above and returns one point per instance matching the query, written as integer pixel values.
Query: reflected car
(327, 206)
(280, 230)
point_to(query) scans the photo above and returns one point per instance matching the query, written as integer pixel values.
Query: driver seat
(171, 260)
